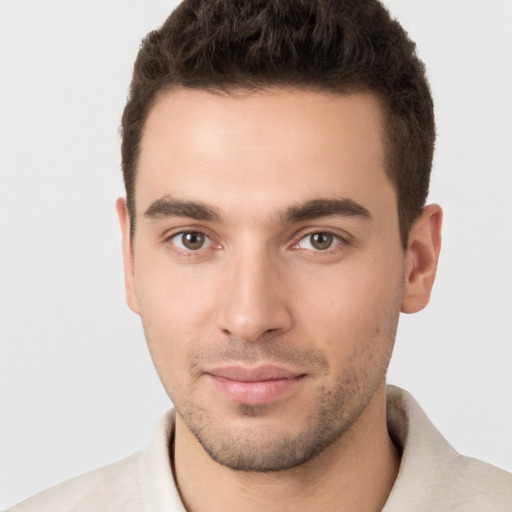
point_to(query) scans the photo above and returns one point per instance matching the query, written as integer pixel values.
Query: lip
(254, 386)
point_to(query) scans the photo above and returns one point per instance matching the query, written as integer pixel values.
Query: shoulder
(112, 487)
(142, 482)
(477, 485)
(433, 475)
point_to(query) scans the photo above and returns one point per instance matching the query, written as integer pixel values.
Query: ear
(128, 256)
(421, 259)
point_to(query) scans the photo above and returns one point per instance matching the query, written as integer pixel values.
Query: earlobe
(128, 256)
(421, 259)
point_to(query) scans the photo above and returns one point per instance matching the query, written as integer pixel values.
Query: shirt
(432, 475)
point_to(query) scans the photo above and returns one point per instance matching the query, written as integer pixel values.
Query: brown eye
(191, 240)
(321, 241)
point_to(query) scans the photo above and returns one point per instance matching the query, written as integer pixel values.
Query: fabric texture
(432, 475)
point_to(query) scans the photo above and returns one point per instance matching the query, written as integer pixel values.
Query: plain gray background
(77, 386)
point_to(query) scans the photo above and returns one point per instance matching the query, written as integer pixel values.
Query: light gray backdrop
(77, 387)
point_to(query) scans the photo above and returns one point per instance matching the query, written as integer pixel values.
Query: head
(276, 159)
(336, 46)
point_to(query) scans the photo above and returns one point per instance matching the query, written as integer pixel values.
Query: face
(266, 266)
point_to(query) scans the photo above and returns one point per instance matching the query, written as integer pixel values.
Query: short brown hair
(339, 46)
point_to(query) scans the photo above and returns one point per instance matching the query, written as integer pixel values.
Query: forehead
(273, 146)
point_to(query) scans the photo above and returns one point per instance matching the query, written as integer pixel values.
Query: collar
(426, 459)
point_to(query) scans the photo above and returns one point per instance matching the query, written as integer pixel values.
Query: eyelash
(185, 251)
(342, 242)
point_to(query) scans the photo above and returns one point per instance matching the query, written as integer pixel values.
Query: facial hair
(335, 409)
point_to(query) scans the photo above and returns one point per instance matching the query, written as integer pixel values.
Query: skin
(260, 292)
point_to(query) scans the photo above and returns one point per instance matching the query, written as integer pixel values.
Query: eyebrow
(317, 208)
(168, 206)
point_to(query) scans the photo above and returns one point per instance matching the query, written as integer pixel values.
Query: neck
(356, 472)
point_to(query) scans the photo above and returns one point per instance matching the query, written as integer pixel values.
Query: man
(276, 159)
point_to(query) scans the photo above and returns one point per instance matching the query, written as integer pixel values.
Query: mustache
(267, 350)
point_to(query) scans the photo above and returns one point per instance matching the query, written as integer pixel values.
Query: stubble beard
(335, 411)
(271, 451)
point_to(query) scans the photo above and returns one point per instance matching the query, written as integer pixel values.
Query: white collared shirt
(432, 475)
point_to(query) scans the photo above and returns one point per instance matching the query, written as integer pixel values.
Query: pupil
(321, 241)
(193, 240)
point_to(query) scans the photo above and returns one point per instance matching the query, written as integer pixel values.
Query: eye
(191, 240)
(320, 241)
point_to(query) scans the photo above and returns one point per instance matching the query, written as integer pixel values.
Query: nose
(254, 298)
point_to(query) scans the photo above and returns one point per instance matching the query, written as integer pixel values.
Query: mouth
(254, 385)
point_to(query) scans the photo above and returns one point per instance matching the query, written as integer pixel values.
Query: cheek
(175, 308)
(170, 295)
(351, 304)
